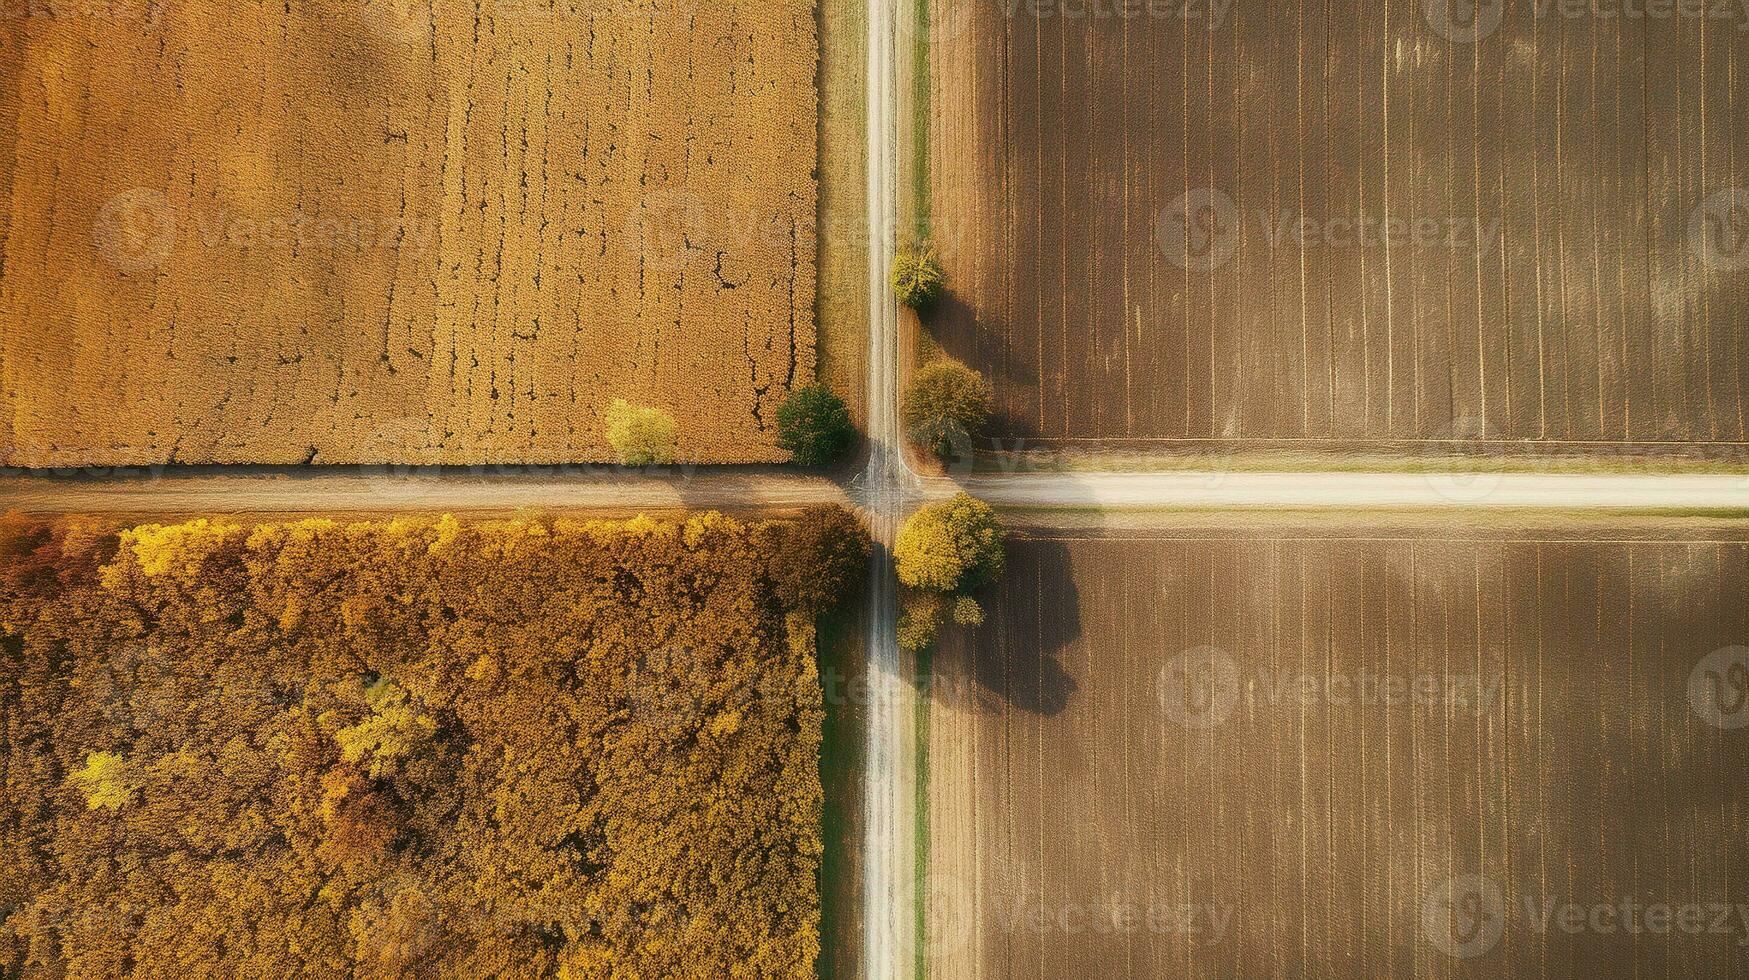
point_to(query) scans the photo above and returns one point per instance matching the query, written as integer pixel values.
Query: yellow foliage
(642, 436)
(528, 790)
(178, 549)
(394, 731)
(920, 618)
(951, 545)
(106, 781)
(448, 529)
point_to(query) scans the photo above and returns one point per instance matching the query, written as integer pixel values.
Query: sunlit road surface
(378, 490)
(889, 820)
(1317, 491)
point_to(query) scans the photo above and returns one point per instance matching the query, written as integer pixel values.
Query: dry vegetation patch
(404, 230)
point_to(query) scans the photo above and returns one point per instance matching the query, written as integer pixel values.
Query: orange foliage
(407, 748)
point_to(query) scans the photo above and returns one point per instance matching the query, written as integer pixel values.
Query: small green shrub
(814, 425)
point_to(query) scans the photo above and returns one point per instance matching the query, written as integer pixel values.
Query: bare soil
(1128, 777)
(1166, 229)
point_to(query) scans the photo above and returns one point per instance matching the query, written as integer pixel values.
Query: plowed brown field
(429, 231)
(1231, 753)
(1168, 227)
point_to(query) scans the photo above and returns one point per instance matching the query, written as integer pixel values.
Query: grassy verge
(841, 770)
(1192, 460)
(920, 124)
(841, 301)
(921, 808)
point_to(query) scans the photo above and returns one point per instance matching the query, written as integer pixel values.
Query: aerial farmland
(874, 489)
(337, 232)
(1251, 747)
(1343, 227)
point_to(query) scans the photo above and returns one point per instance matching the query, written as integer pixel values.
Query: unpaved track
(1349, 491)
(888, 848)
(373, 490)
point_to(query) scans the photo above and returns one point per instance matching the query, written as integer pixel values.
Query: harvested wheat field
(1343, 225)
(1325, 752)
(424, 231)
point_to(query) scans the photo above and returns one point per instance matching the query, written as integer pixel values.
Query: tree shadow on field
(983, 345)
(1014, 659)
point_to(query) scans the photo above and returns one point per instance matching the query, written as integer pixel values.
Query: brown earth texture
(418, 231)
(1306, 752)
(1403, 225)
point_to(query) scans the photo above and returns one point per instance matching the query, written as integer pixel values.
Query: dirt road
(376, 490)
(888, 847)
(1350, 491)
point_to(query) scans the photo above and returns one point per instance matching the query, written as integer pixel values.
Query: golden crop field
(418, 231)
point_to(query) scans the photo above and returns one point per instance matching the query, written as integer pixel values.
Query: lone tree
(946, 406)
(917, 277)
(814, 425)
(642, 436)
(943, 553)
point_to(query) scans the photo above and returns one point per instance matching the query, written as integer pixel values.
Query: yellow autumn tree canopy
(952, 545)
(408, 748)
